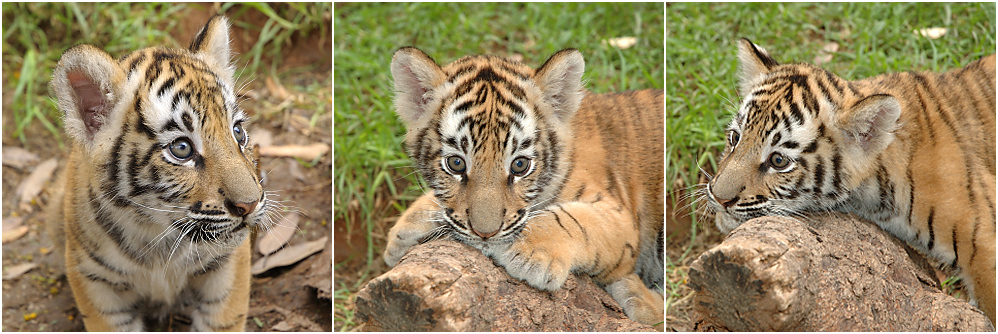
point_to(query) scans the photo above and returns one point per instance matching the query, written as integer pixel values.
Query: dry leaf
(278, 235)
(825, 55)
(931, 33)
(11, 222)
(263, 137)
(310, 152)
(295, 171)
(32, 185)
(282, 327)
(17, 270)
(276, 89)
(17, 157)
(288, 256)
(14, 234)
(621, 42)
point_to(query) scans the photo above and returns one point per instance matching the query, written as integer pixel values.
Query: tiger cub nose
(240, 209)
(484, 235)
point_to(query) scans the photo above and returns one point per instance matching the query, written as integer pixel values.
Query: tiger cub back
(546, 179)
(912, 151)
(161, 187)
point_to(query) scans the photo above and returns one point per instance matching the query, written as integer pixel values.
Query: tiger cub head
(490, 136)
(160, 133)
(801, 139)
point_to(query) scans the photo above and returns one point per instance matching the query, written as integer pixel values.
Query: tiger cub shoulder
(537, 173)
(161, 187)
(912, 151)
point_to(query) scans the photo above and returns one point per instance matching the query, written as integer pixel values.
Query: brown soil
(296, 297)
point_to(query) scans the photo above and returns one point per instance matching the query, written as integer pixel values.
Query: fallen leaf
(309, 152)
(32, 185)
(14, 234)
(278, 235)
(825, 54)
(276, 88)
(931, 33)
(263, 137)
(282, 327)
(17, 157)
(10, 223)
(621, 42)
(17, 270)
(288, 256)
(295, 171)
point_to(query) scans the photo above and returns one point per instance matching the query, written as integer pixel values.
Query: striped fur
(526, 166)
(913, 152)
(161, 186)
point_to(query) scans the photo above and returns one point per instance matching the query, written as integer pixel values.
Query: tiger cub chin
(913, 152)
(540, 175)
(161, 189)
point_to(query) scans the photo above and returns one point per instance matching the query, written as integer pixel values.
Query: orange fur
(913, 152)
(590, 200)
(161, 188)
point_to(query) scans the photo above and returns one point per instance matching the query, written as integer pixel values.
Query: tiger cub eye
(239, 133)
(181, 149)
(456, 164)
(778, 161)
(520, 166)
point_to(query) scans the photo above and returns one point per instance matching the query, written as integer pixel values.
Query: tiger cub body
(913, 152)
(161, 188)
(546, 179)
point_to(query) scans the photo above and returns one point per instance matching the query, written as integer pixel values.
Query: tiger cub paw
(399, 241)
(541, 267)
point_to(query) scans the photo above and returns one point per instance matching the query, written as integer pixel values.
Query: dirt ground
(292, 298)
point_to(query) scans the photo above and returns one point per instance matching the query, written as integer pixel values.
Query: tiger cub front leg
(598, 239)
(222, 294)
(419, 222)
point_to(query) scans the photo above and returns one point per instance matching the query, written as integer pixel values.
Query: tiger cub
(161, 187)
(543, 177)
(913, 152)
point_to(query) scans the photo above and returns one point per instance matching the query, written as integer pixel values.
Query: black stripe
(143, 126)
(584, 233)
(932, 233)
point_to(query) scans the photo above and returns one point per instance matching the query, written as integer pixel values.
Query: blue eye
(239, 133)
(778, 161)
(733, 138)
(181, 149)
(456, 164)
(520, 166)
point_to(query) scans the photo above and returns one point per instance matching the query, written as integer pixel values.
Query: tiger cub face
(790, 150)
(490, 136)
(162, 140)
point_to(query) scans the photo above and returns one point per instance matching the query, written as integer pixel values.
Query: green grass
(370, 162)
(873, 38)
(36, 34)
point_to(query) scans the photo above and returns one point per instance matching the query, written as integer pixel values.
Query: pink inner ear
(93, 105)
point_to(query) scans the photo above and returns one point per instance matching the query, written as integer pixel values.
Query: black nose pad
(240, 209)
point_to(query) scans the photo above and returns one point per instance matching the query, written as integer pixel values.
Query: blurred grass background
(36, 34)
(701, 67)
(373, 178)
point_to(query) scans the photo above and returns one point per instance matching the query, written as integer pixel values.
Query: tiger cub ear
(87, 84)
(211, 45)
(416, 76)
(560, 81)
(754, 62)
(870, 123)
